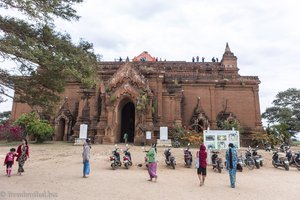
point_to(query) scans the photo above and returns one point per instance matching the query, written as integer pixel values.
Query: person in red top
(23, 154)
(9, 160)
(201, 168)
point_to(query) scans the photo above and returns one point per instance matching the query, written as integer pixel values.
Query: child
(9, 160)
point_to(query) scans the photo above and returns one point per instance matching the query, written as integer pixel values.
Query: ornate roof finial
(227, 49)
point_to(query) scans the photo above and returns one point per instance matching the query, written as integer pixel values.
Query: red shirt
(8, 157)
(202, 156)
(202, 159)
(19, 151)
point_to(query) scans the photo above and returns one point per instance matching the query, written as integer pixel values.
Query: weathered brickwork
(156, 93)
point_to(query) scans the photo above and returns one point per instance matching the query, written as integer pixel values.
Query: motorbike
(280, 161)
(115, 159)
(283, 147)
(176, 143)
(249, 162)
(257, 158)
(216, 161)
(169, 158)
(188, 158)
(267, 147)
(127, 158)
(294, 160)
(240, 163)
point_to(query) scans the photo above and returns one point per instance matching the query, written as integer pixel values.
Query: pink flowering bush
(10, 132)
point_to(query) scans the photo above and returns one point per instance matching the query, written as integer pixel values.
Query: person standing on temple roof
(193, 59)
(120, 59)
(217, 59)
(156, 59)
(213, 59)
(127, 59)
(197, 58)
(203, 59)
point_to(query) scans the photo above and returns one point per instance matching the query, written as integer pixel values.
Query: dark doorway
(127, 122)
(61, 130)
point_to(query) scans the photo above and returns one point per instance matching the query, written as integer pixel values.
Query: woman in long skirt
(152, 164)
(23, 154)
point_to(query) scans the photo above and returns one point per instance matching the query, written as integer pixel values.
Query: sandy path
(57, 169)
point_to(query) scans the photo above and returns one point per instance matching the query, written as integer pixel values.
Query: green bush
(32, 125)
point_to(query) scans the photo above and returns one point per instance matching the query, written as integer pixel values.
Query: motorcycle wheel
(250, 166)
(286, 167)
(261, 163)
(113, 166)
(241, 169)
(130, 163)
(219, 170)
(273, 163)
(126, 165)
(257, 165)
(173, 165)
(188, 164)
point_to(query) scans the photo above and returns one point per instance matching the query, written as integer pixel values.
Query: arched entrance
(61, 129)
(128, 122)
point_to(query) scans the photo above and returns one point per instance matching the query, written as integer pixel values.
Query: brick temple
(144, 94)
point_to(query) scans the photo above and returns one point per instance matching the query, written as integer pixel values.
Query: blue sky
(264, 35)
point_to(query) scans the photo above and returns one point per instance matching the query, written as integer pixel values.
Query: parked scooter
(170, 159)
(257, 158)
(216, 161)
(280, 161)
(267, 147)
(284, 147)
(188, 158)
(115, 159)
(240, 163)
(176, 143)
(294, 160)
(249, 162)
(127, 158)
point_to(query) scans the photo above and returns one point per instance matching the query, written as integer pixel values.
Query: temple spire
(229, 60)
(227, 49)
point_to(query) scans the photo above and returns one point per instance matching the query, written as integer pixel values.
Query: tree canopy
(284, 117)
(4, 116)
(32, 125)
(45, 58)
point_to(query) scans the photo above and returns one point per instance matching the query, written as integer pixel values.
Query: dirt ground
(54, 171)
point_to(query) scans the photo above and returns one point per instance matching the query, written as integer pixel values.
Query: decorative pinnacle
(227, 49)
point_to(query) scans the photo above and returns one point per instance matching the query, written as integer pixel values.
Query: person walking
(9, 161)
(125, 137)
(201, 164)
(231, 163)
(22, 155)
(86, 157)
(152, 164)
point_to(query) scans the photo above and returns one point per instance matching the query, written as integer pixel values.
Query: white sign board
(83, 131)
(148, 135)
(163, 133)
(219, 139)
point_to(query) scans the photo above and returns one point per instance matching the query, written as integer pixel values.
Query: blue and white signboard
(219, 139)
